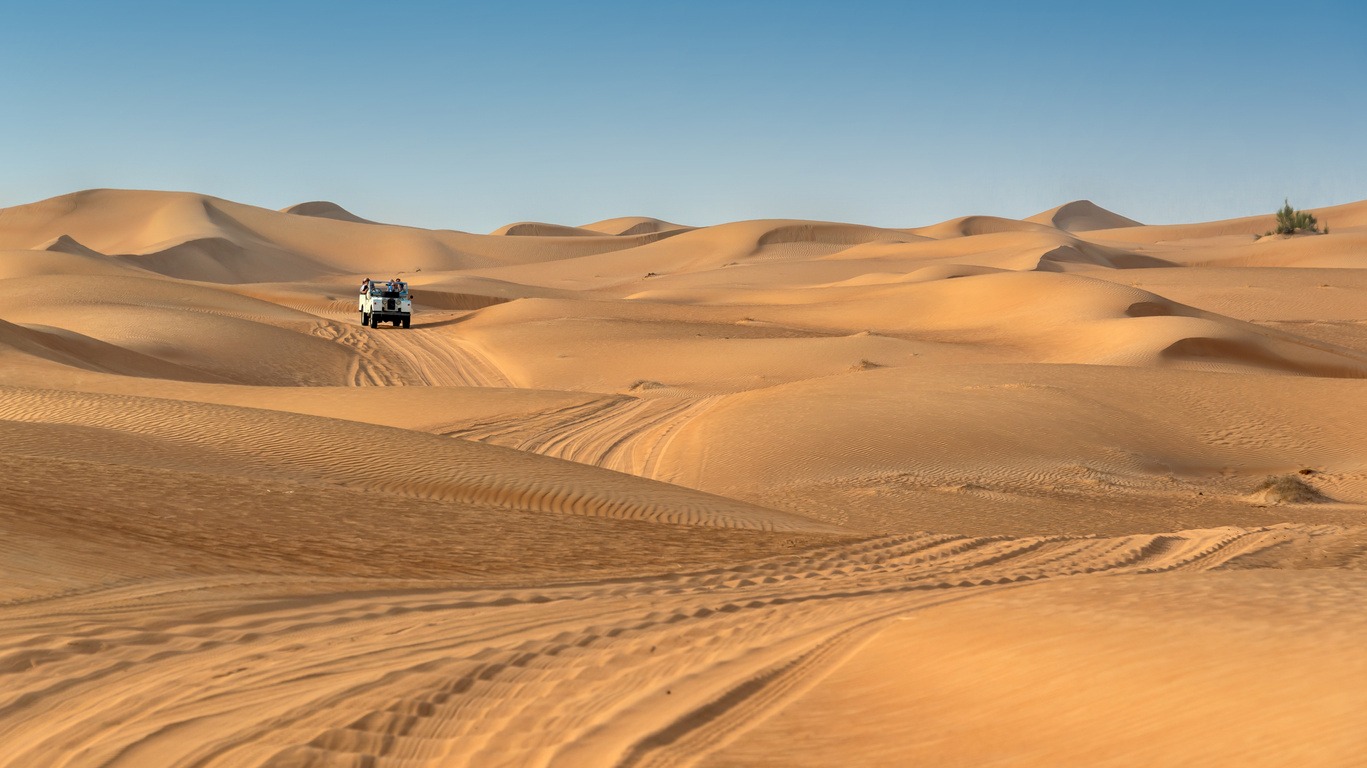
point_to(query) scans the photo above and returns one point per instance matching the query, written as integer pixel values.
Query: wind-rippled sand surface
(768, 493)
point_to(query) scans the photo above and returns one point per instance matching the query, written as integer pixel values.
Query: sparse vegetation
(1287, 489)
(1290, 221)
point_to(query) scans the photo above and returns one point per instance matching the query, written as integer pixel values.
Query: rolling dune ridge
(1068, 490)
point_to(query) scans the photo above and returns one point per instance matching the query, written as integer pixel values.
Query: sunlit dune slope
(709, 248)
(951, 448)
(296, 448)
(47, 351)
(780, 335)
(633, 225)
(1082, 216)
(223, 336)
(1349, 217)
(1079, 673)
(774, 492)
(972, 226)
(66, 257)
(205, 238)
(539, 229)
(325, 210)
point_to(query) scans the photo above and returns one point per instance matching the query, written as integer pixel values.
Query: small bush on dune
(1287, 489)
(1290, 221)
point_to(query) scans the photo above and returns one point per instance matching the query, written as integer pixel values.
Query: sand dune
(967, 444)
(139, 222)
(971, 226)
(62, 261)
(1349, 217)
(326, 210)
(774, 492)
(67, 244)
(726, 665)
(539, 229)
(993, 683)
(1082, 216)
(633, 225)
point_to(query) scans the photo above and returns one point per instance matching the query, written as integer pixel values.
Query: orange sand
(985, 492)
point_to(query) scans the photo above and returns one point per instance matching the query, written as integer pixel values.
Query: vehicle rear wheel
(374, 321)
(364, 319)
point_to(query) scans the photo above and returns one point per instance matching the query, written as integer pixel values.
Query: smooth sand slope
(1069, 490)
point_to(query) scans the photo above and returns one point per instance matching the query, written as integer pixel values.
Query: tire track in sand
(621, 433)
(394, 357)
(659, 670)
(371, 365)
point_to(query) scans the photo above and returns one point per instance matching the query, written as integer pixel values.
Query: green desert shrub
(1290, 220)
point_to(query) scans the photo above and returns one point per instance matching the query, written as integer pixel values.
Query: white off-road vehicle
(385, 302)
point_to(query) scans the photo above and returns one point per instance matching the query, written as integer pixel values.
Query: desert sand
(1070, 490)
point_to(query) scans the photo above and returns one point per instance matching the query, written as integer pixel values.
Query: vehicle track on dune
(621, 433)
(390, 357)
(315, 450)
(655, 671)
(372, 365)
(436, 358)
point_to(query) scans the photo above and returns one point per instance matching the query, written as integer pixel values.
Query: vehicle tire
(406, 322)
(364, 319)
(374, 321)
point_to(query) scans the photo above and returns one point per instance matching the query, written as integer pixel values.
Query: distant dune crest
(627, 226)
(971, 226)
(541, 229)
(325, 210)
(633, 225)
(1082, 216)
(68, 244)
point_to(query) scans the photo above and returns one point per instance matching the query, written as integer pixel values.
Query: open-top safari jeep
(384, 302)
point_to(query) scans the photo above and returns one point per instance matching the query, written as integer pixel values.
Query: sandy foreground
(768, 493)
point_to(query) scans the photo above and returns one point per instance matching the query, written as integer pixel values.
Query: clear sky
(469, 116)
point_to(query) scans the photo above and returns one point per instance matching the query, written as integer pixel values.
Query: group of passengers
(396, 285)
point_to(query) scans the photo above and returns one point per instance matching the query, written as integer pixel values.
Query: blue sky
(470, 116)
